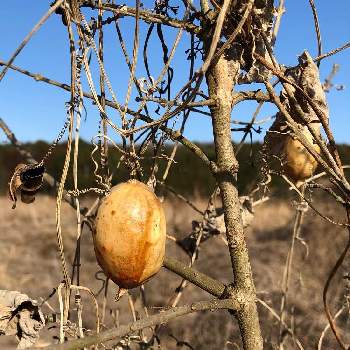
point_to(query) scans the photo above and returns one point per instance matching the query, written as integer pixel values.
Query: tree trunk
(221, 78)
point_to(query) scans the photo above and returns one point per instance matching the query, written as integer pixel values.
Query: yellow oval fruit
(130, 234)
(299, 163)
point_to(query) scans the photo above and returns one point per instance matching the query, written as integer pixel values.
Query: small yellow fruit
(299, 164)
(130, 234)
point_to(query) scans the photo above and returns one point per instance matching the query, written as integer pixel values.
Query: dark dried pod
(28, 179)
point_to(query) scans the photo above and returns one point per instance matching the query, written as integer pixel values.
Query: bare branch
(319, 346)
(201, 280)
(237, 30)
(147, 16)
(333, 52)
(162, 317)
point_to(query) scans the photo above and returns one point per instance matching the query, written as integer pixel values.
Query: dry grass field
(30, 264)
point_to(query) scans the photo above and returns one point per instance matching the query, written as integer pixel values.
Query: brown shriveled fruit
(299, 164)
(130, 234)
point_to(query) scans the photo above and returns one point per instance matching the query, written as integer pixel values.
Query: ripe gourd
(299, 164)
(130, 234)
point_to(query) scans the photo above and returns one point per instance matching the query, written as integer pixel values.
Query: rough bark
(221, 78)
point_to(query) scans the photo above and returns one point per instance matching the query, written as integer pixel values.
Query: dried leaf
(20, 316)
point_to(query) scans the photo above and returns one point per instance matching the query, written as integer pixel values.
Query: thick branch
(162, 317)
(220, 78)
(199, 279)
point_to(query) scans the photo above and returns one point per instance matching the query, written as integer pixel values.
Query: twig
(216, 36)
(178, 195)
(164, 102)
(333, 272)
(241, 96)
(333, 52)
(134, 58)
(64, 174)
(104, 145)
(293, 187)
(275, 315)
(289, 262)
(319, 346)
(323, 173)
(237, 30)
(194, 251)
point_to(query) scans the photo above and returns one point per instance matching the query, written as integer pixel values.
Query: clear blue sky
(35, 110)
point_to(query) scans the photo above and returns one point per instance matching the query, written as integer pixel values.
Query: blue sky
(35, 110)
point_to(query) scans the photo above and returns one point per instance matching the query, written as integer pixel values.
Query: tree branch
(161, 317)
(220, 79)
(199, 279)
(147, 16)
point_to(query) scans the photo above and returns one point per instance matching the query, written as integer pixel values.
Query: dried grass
(31, 265)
